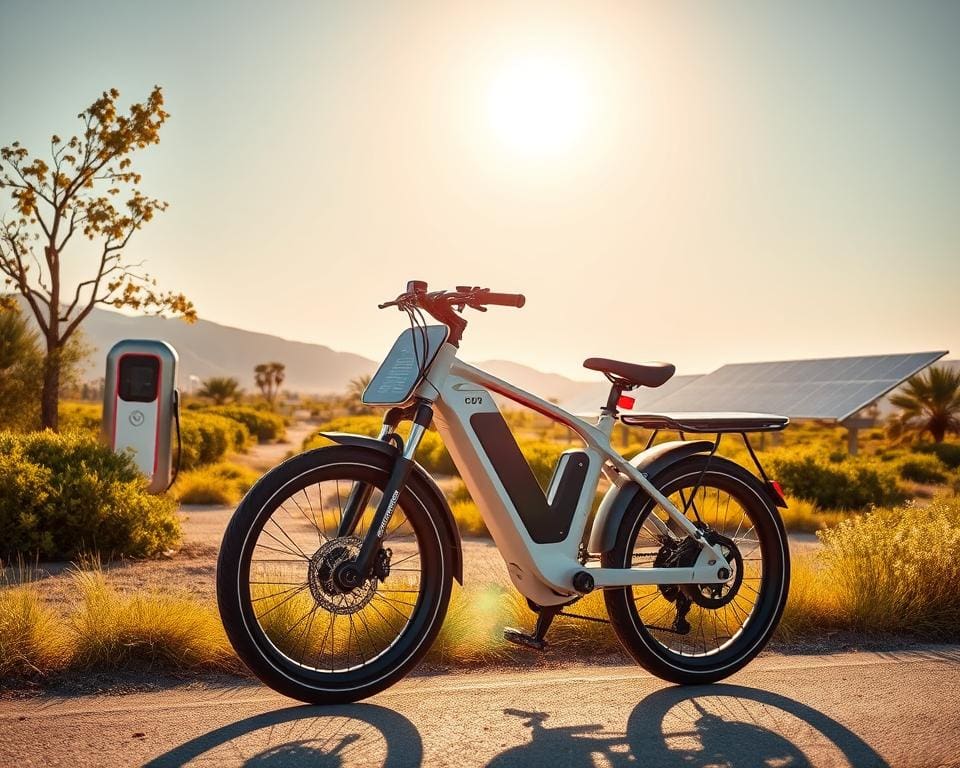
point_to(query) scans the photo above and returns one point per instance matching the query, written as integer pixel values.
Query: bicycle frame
(473, 429)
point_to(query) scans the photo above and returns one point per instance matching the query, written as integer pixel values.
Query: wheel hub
(331, 578)
(684, 555)
(718, 595)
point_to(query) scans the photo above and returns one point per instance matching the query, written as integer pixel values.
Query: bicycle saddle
(635, 374)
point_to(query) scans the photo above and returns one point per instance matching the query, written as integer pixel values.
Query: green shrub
(207, 437)
(542, 457)
(850, 484)
(922, 469)
(222, 483)
(948, 453)
(81, 417)
(62, 495)
(356, 425)
(434, 456)
(263, 425)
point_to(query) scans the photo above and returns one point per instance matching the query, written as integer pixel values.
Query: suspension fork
(360, 494)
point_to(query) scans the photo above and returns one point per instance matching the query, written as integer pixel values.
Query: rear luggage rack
(719, 422)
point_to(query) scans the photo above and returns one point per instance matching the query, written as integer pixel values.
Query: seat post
(617, 388)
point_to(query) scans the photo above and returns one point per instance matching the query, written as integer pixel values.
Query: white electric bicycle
(336, 569)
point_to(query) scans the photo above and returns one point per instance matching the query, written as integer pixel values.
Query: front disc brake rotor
(323, 586)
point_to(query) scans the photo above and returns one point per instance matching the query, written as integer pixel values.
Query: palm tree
(269, 377)
(929, 403)
(220, 389)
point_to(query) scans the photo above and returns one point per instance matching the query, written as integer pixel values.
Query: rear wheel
(285, 612)
(701, 633)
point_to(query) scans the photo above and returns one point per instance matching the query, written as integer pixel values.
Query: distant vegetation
(220, 389)
(929, 403)
(85, 186)
(21, 369)
(268, 378)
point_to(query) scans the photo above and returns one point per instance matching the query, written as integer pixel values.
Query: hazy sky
(694, 182)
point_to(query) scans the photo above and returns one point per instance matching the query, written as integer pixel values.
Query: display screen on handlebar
(402, 370)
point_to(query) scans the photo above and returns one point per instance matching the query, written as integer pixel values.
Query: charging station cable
(176, 421)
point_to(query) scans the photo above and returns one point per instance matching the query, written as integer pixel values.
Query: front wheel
(696, 633)
(285, 613)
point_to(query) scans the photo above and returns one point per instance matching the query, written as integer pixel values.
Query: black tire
(648, 642)
(259, 651)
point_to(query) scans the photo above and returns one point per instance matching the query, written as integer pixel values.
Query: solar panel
(588, 402)
(833, 388)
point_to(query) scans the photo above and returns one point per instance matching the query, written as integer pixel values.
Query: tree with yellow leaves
(81, 190)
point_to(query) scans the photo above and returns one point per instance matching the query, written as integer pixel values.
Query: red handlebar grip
(504, 299)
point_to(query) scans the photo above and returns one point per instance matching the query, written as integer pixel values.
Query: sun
(537, 105)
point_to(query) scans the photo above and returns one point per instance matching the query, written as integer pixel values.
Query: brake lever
(397, 302)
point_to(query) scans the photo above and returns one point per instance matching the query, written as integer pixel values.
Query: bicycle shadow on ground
(694, 727)
(306, 737)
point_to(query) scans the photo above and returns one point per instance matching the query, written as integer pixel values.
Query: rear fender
(451, 532)
(617, 501)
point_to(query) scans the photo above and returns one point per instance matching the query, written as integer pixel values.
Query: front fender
(617, 500)
(451, 531)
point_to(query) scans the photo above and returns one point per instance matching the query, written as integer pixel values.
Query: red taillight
(776, 492)
(626, 402)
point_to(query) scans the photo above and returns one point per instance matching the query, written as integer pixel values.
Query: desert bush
(850, 484)
(813, 604)
(112, 630)
(948, 453)
(898, 570)
(263, 425)
(922, 468)
(804, 516)
(542, 457)
(207, 437)
(432, 454)
(222, 483)
(65, 494)
(32, 639)
(81, 417)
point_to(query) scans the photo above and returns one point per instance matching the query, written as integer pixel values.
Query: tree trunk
(50, 395)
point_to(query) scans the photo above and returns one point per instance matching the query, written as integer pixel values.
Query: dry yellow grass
(32, 640)
(222, 483)
(111, 630)
(804, 516)
(889, 571)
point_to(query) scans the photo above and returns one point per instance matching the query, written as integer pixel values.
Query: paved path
(856, 709)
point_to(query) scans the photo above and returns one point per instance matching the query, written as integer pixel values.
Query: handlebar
(416, 295)
(505, 299)
(445, 305)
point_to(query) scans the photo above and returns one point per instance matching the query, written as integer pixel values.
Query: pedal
(518, 637)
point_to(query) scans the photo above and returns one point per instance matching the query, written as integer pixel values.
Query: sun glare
(537, 105)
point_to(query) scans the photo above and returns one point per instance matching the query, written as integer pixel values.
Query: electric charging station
(141, 404)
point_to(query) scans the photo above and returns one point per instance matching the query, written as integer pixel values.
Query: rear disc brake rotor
(715, 596)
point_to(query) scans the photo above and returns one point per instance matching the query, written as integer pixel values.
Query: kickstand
(536, 641)
(680, 625)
